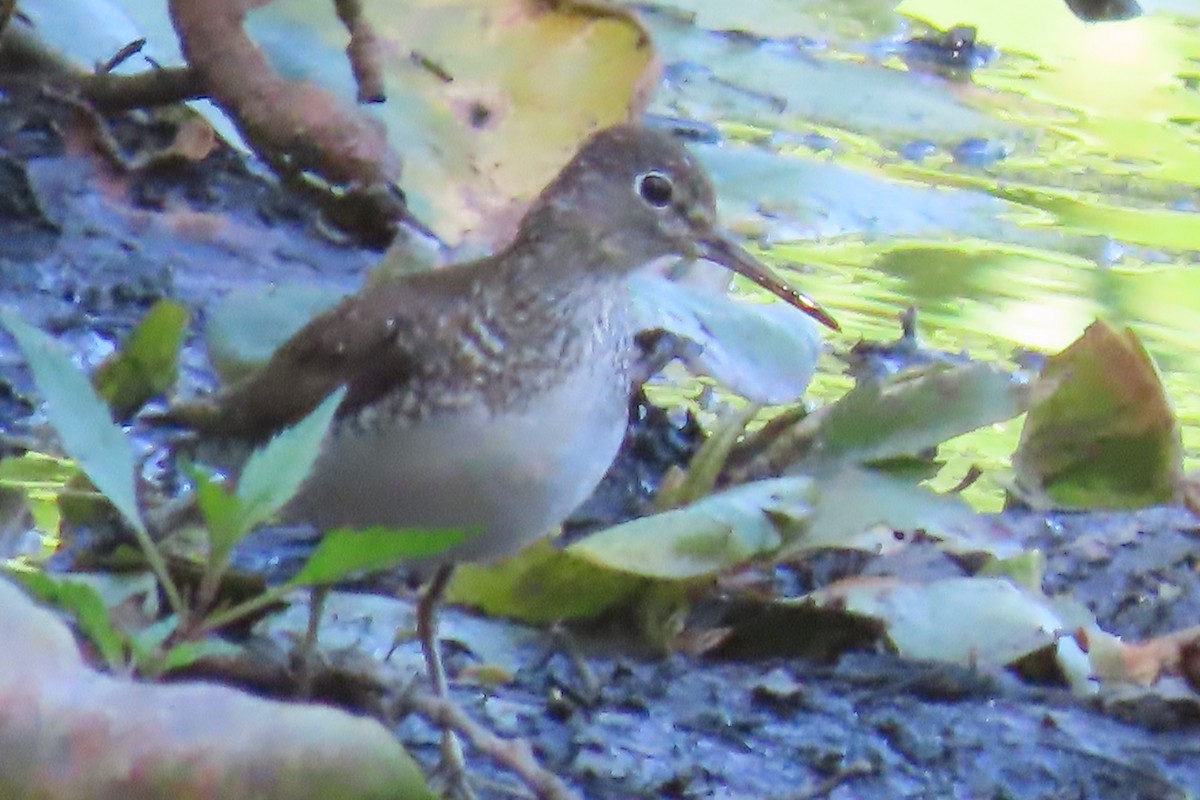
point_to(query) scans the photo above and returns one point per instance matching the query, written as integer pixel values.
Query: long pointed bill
(715, 247)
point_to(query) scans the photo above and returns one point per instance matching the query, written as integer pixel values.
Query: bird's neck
(551, 265)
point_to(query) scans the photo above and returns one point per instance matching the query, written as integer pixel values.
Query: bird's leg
(453, 766)
(305, 655)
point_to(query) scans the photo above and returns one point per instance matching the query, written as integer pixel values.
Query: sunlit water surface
(1055, 185)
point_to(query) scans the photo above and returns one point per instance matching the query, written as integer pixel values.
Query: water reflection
(1058, 184)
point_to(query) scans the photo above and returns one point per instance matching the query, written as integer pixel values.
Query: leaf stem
(232, 614)
(159, 566)
(706, 465)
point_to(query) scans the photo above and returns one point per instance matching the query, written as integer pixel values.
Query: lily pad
(860, 509)
(485, 100)
(788, 87)
(782, 198)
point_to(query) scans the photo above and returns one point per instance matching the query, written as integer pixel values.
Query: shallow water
(1055, 184)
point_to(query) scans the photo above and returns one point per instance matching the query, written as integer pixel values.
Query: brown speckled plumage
(496, 328)
(492, 393)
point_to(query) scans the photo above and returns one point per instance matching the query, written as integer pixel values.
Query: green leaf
(224, 515)
(83, 603)
(36, 472)
(80, 418)
(917, 411)
(148, 363)
(88, 435)
(707, 463)
(987, 622)
(544, 584)
(343, 553)
(148, 641)
(706, 537)
(275, 471)
(41, 478)
(1101, 432)
(187, 653)
(859, 508)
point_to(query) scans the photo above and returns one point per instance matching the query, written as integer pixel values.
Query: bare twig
(755, 442)
(855, 769)
(295, 124)
(363, 51)
(155, 87)
(124, 54)
(105, 90)
(790, 445)
(514, 754)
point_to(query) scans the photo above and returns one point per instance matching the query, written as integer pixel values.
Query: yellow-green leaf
(1100, 431)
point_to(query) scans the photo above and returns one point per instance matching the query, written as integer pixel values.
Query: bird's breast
(511, 474)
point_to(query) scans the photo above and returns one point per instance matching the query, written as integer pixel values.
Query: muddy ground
(86, 246)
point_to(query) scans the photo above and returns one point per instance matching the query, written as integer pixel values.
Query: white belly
(511, 477)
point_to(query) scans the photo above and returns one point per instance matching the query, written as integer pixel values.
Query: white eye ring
(655, 188)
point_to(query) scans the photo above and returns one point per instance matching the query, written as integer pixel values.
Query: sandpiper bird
(492, 394)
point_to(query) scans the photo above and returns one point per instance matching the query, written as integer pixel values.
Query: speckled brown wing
(366, 343)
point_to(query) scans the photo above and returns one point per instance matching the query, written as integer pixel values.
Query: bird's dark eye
(655, 188)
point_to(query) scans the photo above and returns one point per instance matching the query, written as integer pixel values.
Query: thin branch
(363, 51)
(294, 123)
(154, 87)
(514, 754)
